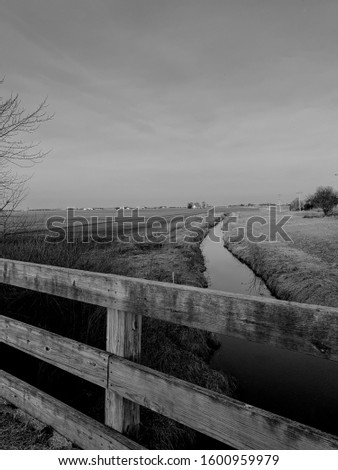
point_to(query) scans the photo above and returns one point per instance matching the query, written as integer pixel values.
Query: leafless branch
(15, 122)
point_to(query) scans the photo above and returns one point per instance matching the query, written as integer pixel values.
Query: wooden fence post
(123, 339)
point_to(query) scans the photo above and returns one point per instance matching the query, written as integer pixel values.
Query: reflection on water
(294, 385)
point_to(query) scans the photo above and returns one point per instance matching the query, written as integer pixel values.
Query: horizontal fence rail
(310, 329)
(128, 385)
(218, 416)
(79, 428)
(76, 358)
(223, 418)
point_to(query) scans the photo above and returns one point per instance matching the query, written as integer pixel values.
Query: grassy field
(28, 221)
(303, 270)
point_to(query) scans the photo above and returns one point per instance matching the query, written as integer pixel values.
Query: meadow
(36, 220)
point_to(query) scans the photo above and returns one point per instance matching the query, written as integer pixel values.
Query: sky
(161, 102)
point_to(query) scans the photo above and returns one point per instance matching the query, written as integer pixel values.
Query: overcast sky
(167, 101)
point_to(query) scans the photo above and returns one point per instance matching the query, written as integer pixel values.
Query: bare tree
(15, 121)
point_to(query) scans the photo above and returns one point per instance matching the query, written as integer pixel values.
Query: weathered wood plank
(310, 329)
(77, 358)
(123, 339)
(235, 423)
(220, 417)
(77, 427)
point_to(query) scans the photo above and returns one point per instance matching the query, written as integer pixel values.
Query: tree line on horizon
(197, 205)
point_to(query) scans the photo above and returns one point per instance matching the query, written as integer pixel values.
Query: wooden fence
(310, 329)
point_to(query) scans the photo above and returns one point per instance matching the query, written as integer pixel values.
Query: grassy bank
(179, 351)
(303, 270)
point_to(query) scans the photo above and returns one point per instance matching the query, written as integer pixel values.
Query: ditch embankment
(304, 269)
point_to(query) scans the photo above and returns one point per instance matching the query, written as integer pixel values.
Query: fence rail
(306, 328)
(87, 433)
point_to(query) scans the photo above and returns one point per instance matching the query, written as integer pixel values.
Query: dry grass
(18, 431)
(304, 270)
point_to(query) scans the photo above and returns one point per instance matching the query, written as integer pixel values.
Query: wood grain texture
(123, 339)
(228, 420)
(77, 427)
(77, 358)
(310, 329)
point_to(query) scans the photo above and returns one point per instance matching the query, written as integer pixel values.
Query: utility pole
(299, 193)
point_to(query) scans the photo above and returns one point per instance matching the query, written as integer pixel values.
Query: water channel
(297, 386)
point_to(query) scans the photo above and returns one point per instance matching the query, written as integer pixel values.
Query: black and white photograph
(168, 233)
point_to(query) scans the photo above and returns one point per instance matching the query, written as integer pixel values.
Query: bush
(326, 198)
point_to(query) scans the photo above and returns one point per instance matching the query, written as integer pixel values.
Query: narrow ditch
(294, 385)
